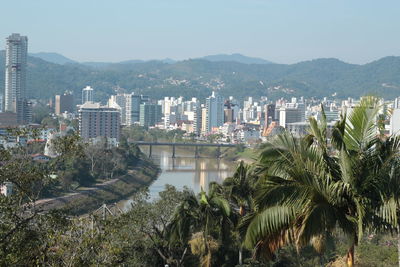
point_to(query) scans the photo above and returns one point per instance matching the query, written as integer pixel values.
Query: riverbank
(89, 199)
(231, 154)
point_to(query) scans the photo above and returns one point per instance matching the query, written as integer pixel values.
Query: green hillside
(316, 78)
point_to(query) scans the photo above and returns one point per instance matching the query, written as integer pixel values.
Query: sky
(282, 31)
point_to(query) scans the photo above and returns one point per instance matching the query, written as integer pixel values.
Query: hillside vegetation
(316, 78)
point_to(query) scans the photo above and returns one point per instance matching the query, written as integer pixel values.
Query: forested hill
(318, 78)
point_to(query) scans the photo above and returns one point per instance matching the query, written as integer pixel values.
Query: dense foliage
(82, 164)
(139, 133)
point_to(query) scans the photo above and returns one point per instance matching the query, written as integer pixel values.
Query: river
(185, 170)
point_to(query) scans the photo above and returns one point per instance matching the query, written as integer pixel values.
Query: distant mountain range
(198, 77)
(236, 58)
(53, 58)
(60, 59)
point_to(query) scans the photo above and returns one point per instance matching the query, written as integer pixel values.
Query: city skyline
(279, 31)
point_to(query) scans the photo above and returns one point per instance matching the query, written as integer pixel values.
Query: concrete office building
(290, 115)
(99, 121)
(294, 111)
(15, 95)
(133, 103)
(64, 103)
(150, 114)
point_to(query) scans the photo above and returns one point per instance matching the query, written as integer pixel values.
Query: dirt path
(100, 193)
(49, 203)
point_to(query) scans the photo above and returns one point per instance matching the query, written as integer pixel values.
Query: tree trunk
(240, 256)
(350, 256)
(398, 245)
(241, 211)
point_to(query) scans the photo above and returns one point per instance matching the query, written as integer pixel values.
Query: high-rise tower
(87, 95)
(215, 111)
(15, 97)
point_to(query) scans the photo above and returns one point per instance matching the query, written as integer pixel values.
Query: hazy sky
(283, 31)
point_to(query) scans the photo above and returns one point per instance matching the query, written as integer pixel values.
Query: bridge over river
(174, 145)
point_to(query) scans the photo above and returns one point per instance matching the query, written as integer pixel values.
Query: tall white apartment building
(129, 106)
(214, 111)
(87, 94)
(15, 97)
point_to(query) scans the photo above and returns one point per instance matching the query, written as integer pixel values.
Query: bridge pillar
(173, 151)
(150, 150)
(218, 152)
(196, 152)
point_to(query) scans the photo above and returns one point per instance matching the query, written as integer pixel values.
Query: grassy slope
(84, 202)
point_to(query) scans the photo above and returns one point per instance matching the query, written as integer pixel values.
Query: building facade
(15, 97)
(99, 121)
(129, 106)
(64, 103)
(150, 114)
(215, 112)
(133, 103)
(87, 94)
(197, 120)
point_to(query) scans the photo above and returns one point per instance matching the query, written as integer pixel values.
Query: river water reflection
(185, 170)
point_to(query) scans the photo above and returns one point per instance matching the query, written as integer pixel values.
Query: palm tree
(294, 202)
(390, 209)
(205, 214)
(240, 190)
(311, 185)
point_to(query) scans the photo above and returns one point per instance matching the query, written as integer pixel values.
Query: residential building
(197, 120)
(8, 119)
(169, 119)
(119, 102)
(248, 134)
(64, 103)
(87, 94)
(203, 120)
(96, 121)
(395, 122)
(129, 106)
(229, 112)
(269, 114)
(15, 97)
(215, 112)
(332, 115)
(297, 129)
